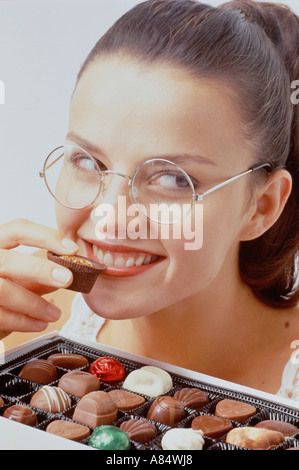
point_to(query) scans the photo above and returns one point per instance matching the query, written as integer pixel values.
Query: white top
(85, 324)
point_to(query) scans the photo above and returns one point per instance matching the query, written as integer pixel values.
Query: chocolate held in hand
(85, 270)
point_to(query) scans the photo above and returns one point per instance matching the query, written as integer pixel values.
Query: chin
(113, 309)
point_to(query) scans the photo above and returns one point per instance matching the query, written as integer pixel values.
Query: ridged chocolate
(68, 429)
(40, 371)
(125, 400)
(167, 410)
(51, 399)
(21, 414)
(139, 430)
(95, 409)
(192, 397)
(79, 383)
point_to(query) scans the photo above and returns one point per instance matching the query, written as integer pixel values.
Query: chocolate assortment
(83, 394)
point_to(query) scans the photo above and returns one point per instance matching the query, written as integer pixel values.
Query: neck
(196, 332)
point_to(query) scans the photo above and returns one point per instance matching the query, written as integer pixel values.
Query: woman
(209, 91)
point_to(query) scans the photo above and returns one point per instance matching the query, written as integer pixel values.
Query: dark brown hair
(253, 48)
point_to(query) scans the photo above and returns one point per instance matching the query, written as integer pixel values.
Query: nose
(110, 214)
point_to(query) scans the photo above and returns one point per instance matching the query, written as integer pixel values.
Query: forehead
(160, 107)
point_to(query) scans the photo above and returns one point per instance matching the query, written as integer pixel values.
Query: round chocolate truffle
(51, 399)
(40, 371)
(167, 410)
(109, 438)
(139, 430)
(21, 414)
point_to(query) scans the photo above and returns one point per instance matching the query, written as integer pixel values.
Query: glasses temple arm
(198, 197)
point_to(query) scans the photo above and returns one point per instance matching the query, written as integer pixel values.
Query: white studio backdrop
(42, 45)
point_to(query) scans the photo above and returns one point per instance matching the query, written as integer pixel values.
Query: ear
(270, 199)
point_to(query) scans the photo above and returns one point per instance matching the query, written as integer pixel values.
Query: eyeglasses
(159, 188)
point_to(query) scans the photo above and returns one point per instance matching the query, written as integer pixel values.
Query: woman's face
(124, 114)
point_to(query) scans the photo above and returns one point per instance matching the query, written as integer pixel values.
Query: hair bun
(280, 24)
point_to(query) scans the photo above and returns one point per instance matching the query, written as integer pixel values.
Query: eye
(172, 181)
(82, 161)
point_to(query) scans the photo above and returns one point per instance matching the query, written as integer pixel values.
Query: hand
(24, 278)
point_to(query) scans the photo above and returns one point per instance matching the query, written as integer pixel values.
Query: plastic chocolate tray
(15, 390)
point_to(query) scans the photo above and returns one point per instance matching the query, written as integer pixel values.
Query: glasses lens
(72, 177)
(163, 190)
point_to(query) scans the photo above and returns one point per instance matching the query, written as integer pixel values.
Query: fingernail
(53, 312)
(61, 275)
(69, 245)
(41, 325)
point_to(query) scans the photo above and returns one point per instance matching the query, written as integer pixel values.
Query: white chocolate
(182, 439)
(148, 380)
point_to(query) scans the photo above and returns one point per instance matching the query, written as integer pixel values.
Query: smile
(122, 263)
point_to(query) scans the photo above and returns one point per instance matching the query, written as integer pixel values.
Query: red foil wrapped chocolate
(107, 369)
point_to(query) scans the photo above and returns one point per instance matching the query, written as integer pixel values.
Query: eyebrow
(175, 158)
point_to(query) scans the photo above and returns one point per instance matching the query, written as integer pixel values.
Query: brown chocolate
(68, 429)
(51, 399)
(79, 383)
(192, 397)
(68, 360)
(40, 371)
(235, 410)
(211, 426)
(126, 400)
(254, 438)
(85, 271)
(167, 410)
(139, 430)
(96, 408)
(1, 402)
(287, 429)
(21, 414)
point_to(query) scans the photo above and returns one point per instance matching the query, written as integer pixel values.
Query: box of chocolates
(98, 397)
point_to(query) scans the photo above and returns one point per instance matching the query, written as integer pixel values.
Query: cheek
(68, 221)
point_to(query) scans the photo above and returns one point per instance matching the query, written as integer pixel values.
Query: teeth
(139, 261)
(130, 262)
(118, 260)
(108, 259)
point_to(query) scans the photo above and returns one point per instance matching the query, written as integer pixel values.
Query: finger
(18, 299)
(24, 232)
(12, 321)
(19, 266)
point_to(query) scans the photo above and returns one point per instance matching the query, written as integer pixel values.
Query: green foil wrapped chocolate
(108, 437)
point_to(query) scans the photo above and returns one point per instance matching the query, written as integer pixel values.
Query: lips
(122, 261)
